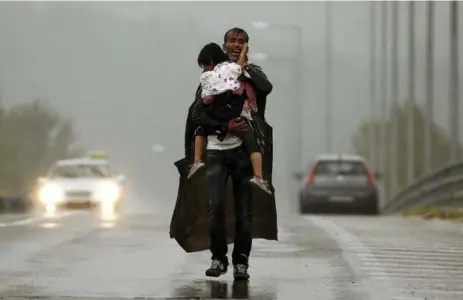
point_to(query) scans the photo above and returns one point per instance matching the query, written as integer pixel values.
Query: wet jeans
(219, 165)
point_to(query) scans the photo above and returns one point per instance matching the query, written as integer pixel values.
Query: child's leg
(250, 142)
(256, 160)
(199, 147)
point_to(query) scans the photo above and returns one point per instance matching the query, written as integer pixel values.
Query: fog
(126, 73)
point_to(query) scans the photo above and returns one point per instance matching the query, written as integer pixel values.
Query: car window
(79, 171)
(340, 167)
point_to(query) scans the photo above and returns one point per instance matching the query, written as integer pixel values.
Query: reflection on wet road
(102, 255)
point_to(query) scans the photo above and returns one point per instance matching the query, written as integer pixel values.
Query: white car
(85, 181)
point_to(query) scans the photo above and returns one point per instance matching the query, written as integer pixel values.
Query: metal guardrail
(443, 187)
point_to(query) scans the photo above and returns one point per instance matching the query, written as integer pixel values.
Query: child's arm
(206, 87)
(206, 81)
(235, 69)
(220, 80)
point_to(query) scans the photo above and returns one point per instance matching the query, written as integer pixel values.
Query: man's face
(233, 45)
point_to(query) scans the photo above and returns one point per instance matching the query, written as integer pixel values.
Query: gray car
(339, 183)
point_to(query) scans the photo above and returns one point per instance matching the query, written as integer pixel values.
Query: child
(218, 78)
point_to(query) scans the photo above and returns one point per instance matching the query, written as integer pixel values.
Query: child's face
(208, 67)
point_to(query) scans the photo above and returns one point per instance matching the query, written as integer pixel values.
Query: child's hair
(211, 54)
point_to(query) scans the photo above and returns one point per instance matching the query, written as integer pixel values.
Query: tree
(441, 145)
(32, 136)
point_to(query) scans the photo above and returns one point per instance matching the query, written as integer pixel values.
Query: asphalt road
(87, 255)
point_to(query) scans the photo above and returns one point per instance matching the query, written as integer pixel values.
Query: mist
(126, 73)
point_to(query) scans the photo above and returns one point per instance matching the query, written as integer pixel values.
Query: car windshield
(76, 171)
(340, 167)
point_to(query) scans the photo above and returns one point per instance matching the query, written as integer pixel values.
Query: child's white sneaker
(195, 167)
(261, 183)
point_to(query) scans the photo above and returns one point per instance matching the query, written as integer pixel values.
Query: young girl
(221, 76)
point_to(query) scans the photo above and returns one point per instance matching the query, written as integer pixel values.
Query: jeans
(219, 165)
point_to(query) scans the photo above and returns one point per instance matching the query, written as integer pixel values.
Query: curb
(435, 212)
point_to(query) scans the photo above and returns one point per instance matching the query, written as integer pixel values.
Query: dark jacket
(189, 225)
(197, 115)
(190, 127)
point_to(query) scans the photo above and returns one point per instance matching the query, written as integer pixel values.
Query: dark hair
(236, 30)
(213, 54)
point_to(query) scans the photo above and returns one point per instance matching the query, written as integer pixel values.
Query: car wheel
(303, 208)
(306, 209)
(372, 208)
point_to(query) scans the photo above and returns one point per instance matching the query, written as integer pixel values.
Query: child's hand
(237, 125)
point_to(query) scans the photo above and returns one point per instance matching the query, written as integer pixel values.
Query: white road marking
(422, 262)
(345, 239)
(37, 219)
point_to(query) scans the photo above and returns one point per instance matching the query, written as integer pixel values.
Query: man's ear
(224, 48)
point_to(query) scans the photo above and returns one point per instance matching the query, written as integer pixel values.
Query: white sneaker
(195, 167)
(261, 183)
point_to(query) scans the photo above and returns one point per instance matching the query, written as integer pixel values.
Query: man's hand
(237, 125)
(243, 59)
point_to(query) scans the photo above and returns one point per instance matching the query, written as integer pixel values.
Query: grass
(434, 212)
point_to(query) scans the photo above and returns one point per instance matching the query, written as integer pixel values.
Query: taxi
(81, 182)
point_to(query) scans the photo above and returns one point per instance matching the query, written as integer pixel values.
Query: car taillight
(311, 176)
(370, 177)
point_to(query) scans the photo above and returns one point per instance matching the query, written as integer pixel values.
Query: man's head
(233, 41)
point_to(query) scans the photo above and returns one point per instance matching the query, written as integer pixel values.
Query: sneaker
(195, 167)
(240, 272)
(217, 268)
(261, 183)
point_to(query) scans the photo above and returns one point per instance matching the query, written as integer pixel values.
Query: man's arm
(200, 118)
(259, 78)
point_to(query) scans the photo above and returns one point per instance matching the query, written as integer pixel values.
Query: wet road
(85, 254)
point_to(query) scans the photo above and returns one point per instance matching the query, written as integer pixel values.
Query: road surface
(86, 255)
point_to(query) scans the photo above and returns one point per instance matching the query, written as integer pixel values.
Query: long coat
(190, 219)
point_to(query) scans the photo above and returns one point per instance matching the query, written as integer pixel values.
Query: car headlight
(50, 194)
(108, 192)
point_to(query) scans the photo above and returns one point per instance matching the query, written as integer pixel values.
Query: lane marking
(438, 280)
(433, 292)
(434, 257)
(37, 219)
(411, 267)
(345, 239)
(413, 249)
(411, 270)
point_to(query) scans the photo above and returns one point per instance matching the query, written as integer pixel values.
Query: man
(228, 157)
